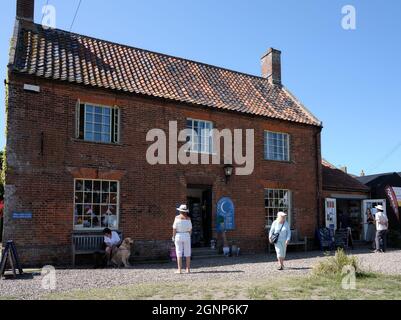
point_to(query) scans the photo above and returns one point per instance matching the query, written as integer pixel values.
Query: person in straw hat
(281, 228)
(182, 229)
(381, 229)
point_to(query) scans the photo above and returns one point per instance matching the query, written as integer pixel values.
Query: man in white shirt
(112, 241)
(381, 229)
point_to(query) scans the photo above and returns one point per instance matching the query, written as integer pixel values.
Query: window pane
(113, 187)
(96, 197)
(105, 186)
(79, 185)
(98, 128)
(96, 185)
(87, 222)
(89, 108)
(96, 210)
(79, 197)
(88, 197)
(99, 110)
(98, 137)
(87, 210)
(89, 117)
(113, 198)
(78, 210)
(106, 120)
(89, 136)
(88, 185)
(89, 127)
(105, 198)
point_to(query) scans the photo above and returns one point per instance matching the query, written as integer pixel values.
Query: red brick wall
(43, 182)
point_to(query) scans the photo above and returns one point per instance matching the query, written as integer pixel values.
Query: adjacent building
(386, 186)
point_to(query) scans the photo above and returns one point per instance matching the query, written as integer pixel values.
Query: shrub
(333, 266)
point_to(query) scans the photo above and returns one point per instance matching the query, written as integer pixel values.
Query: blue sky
(350, 79)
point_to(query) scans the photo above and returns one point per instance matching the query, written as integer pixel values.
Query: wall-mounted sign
(393, 200)
(22, 215)
(225, 219)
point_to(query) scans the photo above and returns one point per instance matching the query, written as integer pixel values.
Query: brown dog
(122, 254)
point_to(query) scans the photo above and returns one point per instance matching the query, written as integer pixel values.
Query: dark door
(195, 213)
(207, 216)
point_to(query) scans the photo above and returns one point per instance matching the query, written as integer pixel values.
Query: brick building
(78, 113)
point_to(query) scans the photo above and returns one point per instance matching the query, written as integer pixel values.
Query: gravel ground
(241, 268)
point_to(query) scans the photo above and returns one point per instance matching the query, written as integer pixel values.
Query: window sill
(279, 161)
(94, 231)
(201, 152)
(98, 143)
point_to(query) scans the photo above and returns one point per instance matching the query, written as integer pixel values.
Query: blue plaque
(225, 215)
(22, 215)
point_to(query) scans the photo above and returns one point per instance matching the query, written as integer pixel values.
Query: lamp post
(228, 171)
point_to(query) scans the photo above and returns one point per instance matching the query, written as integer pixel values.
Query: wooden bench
(295, 241)
(87, 244)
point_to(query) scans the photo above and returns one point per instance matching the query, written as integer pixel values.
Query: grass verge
(370, 286)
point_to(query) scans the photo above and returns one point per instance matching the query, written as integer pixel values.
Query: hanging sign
(225, 219)
(397, 191)
(393, 200)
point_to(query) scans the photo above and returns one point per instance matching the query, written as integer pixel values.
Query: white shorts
(183, 245)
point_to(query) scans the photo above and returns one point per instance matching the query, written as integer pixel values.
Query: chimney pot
(25, 9)
(271, 66)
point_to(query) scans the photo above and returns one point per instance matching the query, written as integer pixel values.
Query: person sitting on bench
(111, 241)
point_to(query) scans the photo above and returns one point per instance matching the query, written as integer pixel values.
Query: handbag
(274, 237)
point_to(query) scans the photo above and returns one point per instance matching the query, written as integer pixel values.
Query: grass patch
(368, 286)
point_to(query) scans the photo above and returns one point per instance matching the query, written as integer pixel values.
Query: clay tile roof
(60, 55)
(335, 179)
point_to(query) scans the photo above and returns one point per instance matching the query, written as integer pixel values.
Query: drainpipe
(318, 174)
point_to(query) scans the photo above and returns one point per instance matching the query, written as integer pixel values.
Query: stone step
(204, 252)
(206, 256)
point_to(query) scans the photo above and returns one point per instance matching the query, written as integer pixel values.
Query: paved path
(241, 268)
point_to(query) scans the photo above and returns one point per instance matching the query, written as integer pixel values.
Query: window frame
(266, 146)
(117, 205)
(211, 136)
(288, 210)
(115, 123)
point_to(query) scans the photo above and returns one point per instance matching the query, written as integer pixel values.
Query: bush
(333, 266)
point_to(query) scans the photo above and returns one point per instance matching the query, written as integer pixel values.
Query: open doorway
(199, 200)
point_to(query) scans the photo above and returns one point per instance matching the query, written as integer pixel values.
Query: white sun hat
(380, 207)
(183, 208)
(281, 214)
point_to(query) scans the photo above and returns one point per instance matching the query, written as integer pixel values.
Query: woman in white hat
(280, 230)
(182, 229)
(381, 229)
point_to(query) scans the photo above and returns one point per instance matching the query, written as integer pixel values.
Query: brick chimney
(25, 9)
(271, 66)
